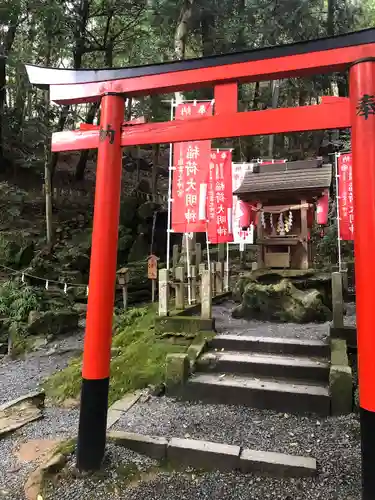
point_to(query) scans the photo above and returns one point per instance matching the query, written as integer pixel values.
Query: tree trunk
(241, 42)
(256, 96)
(181, 34)
(275, 88)
(5, 49)
(208, 42)
(155, 165)
(82, 162)
(331, 17)
(330, 32)
(2, 103)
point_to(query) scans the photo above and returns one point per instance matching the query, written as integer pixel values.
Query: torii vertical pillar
(362, 97)
(98, 336)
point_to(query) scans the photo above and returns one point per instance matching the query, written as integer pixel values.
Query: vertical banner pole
(188, 266)
(227, 273)
(103, 262)
(362, 91)
(169, 194)
(338, 211)
(208, 252)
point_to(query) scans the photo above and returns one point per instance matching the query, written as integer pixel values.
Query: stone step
(263, 393)
(272, 345)
(268, 365)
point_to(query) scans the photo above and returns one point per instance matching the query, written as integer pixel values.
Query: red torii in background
(355, 51)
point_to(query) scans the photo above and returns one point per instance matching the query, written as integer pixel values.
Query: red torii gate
(355, 51)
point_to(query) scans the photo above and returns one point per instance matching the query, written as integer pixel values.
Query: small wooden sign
(152, 266)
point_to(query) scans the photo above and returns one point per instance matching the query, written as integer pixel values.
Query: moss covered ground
(138, 358)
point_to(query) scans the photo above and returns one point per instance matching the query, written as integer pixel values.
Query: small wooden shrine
(285, 200)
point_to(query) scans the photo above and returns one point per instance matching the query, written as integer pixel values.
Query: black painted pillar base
(368, 454)
(92, 424)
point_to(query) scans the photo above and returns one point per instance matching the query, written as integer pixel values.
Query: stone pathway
(334, 442)
(20, 376)
(22, 450)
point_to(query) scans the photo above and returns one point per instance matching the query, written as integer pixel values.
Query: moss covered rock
(282, 302)
(239, 287)
(52, 322)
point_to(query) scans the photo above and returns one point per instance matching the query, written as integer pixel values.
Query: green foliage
(138, 359)
(17, 300)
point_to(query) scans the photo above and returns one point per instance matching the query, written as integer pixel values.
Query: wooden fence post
(337, 300)
(213, 278)
(180, 287)
(175, 257)
(163, 292)
(206, 295)
(198, 255)
(219, 278)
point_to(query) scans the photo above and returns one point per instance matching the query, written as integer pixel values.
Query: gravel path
(57, 423)
(334, 442)
(20, 376)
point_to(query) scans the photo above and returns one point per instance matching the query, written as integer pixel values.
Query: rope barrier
(63, 284)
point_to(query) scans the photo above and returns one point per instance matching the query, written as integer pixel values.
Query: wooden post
(213, 278)
(198, 255)
(221, 252)
(163, 292)
(193, 274)
(152, 268)
(345, 279)
(180, 287)
(175, 258)
(202, 268)
(260, 258)
(219, 277)
(226, 277)
(337, 301)
(123, 280)
(206, 295)
(304, 235)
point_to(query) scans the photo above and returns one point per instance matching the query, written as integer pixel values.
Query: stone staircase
(283, 374)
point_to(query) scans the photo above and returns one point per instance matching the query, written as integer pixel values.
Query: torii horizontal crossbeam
(333, 115)
(334, 54)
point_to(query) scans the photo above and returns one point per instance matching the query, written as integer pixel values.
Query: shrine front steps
(285, 375)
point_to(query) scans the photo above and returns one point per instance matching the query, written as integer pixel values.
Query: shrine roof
(290, 176)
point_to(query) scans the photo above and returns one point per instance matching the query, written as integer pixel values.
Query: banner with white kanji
(220, 198)
(345, 194)
(189, 182)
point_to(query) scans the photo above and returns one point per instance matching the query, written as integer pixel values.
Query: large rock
(52, 322)
(282, 302)
(301, 279)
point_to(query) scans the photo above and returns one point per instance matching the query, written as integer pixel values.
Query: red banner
(189, 182)
(220, 198)
(346, 207)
